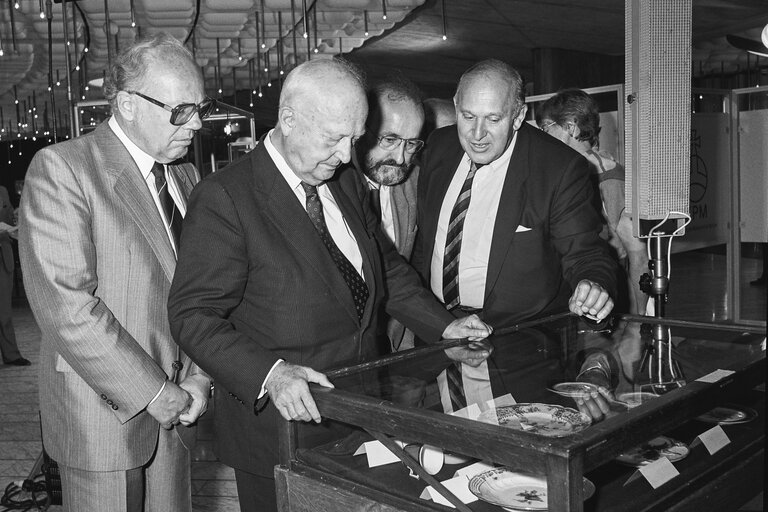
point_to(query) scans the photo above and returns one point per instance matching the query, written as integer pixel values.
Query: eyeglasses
(181, 114)
(390, 142)
(546, 126)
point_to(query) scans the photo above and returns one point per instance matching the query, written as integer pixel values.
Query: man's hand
(289, 390)
(591, 300)
(598, 404)
(472, 354)
(198, 386)
(169, 405)
(468, 327)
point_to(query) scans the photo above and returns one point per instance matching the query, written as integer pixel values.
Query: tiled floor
(696, 293)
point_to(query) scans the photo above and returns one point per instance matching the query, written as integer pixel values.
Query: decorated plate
(515, 491)
(654, 449)
(543, 419)
(728, 415)
(574, 389)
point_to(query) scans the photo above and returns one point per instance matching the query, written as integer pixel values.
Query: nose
(398, 154)
(194, 123)
(478, 129)
(344, 150)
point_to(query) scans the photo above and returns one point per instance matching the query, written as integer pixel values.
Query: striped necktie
(453, 238)
(352, 278)
(172, 213)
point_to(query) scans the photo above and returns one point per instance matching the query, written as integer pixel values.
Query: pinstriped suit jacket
(98, 266)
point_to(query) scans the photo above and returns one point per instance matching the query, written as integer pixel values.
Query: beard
(387, 172)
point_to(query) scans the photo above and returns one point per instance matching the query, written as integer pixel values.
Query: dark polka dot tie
(354, 281)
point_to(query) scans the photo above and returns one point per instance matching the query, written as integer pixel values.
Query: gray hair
(318, 69)
(129, 69)
(500, 69)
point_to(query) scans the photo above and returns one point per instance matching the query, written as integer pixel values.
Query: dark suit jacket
(255, 283)
(547, 189)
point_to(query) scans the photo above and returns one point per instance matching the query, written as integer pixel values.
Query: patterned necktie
(354, 281)
(172, 214)
(453, 242)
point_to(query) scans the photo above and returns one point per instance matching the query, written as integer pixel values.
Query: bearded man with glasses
(101, 217)
(385, 158)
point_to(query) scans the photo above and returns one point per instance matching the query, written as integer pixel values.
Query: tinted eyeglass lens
(183, 113)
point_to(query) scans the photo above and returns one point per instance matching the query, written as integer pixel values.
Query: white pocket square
(521, 228)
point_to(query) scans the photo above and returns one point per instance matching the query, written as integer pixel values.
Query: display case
(666, 379)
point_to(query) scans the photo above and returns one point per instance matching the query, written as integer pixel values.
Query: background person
(98, 252)
(573, 117)
(8, 347)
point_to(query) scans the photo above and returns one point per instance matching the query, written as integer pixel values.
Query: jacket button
(114, 407)
(103, 396)
(110, 402)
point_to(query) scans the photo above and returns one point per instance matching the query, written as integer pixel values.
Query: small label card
(377, 453)
(458, 485)
(713, 439)
(715, 376)
(470, 412)
(657, 473)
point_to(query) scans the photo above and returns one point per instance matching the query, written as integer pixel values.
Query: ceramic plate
(515, 491)
(573, 389)
(635, 398)
(654, 449)
(728, 415)
(431, 459)
(543, 419)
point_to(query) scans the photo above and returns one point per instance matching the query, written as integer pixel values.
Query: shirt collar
(282, 166)
(143, 161)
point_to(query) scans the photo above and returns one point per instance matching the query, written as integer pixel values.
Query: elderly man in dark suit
(384, 158)
(296, 277)
(99, 232)
(507, 226)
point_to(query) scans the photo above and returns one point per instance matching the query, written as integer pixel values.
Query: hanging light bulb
(445, 30)
(16, 5)
(133, 16)
(384, 9)
(365, 22)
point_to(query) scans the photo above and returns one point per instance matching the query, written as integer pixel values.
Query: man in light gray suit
(100, 219)
(385, 156)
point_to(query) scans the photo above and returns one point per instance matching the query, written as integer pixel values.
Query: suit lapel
(132, 190)
(286, 213)
(401, 212)
(513, 197)
(183, 181)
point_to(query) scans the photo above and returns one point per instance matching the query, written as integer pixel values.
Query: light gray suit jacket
(404, 215)
(98, 266)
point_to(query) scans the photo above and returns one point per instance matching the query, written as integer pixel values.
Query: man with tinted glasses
(101, 217)
(385, 157)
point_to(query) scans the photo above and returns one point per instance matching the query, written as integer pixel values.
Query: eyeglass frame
(175, 111)
(400, 140)
(546, 126)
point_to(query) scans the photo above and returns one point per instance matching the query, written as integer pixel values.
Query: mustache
(391, 163)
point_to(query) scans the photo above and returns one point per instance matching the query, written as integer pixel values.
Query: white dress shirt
(337, 225)
(477, 233)
(145, 163)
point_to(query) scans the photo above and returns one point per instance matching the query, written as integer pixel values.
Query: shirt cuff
(263, 390)
(158, 393)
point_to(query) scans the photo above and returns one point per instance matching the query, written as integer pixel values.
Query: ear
(126, 105)
(286, 117)
(520, 119)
